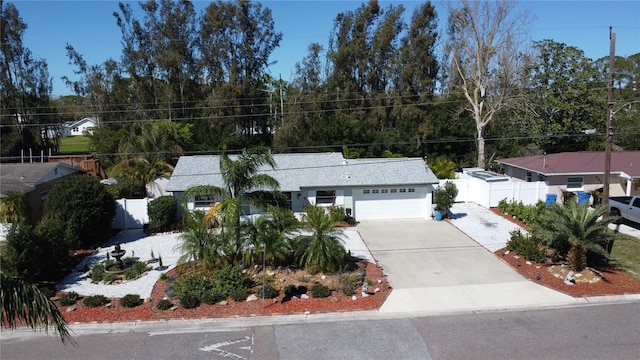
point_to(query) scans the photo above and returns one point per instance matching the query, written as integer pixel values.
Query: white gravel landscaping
(486, 228)
(137, 243)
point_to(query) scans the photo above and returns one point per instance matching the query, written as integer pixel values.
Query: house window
(412, 190)
(204, 201)
(574, 183)
(403, 190)
(393, 191)
(325, 197)
(366, 191)
(528, 176)
(385, 191)
(375, 191)
(75, 129)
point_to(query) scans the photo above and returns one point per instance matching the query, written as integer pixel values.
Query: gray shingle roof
(23, 177)
(295, 171)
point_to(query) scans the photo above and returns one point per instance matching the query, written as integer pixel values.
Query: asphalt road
(584, 332)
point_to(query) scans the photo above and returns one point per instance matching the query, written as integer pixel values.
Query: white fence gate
(131, 213)
(489, 193)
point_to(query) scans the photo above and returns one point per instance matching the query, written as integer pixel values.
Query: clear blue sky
(91, 28)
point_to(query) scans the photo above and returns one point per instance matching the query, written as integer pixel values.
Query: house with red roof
(571, 172)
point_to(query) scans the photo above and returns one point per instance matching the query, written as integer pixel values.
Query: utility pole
(607, 151)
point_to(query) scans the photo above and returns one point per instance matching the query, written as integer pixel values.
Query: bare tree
(484, 47)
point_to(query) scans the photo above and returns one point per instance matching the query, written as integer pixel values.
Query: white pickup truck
(627, 207)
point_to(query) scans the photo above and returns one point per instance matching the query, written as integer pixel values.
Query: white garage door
(391, 203)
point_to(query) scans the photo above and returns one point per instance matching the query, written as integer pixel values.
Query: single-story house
(80, 127)
(35, 180)
(578, 171)
(385, 188)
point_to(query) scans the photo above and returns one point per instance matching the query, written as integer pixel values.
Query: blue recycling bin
(551, 199)
(583, 197)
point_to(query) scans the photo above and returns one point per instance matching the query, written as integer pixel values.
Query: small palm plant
(322, 250)
(581, 229)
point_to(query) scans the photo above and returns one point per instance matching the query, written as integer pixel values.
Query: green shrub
(84, 206)
(94, 301)
(239, 294)
(162, 213)
(192, 284)
(69, 299)
(212, 297)
(319, 290)
(526, 246)
(189, 301)
(337, 214)
(135, 270)
(502, 205)
(349, 284)
(268, 291)
(97, 272)
(130, 301)
(163, 276)
(164, 305)
(230, 278)
(110, 277)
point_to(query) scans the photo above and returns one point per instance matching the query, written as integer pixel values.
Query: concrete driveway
(435, 268)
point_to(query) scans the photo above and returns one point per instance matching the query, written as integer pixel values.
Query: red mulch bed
(337, 302)
(614, 282)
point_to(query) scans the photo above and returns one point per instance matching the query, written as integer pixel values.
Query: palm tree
(147, 152)
(24, 303)
(267, 239)
(579, 229)
(199, 242)
(322, 250)
(242, 182)
(14, 207)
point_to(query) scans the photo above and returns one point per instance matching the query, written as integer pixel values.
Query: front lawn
(74, 144)
(626, 255)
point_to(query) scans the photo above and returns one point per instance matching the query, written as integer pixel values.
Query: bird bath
(117, 254)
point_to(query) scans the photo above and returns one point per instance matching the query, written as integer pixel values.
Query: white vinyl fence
(131, 213)
(488, 193)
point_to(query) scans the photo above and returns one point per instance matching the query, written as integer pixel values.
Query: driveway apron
(434, 268)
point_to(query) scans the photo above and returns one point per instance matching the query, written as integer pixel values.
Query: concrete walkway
(435, 268)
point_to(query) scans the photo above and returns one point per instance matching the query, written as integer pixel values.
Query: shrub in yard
(268, 291)
(189, 301)
(135, 270)
(319, 290)
(109, 278)
(97, 272)
(130, 301)
(164, 305)
(94, 301)
(349, 284)
(85, 208)
(230, 278)
(192, 284)
(69, 299)
(212, 297)
(337, 214)
(526, 246)
(239, 294)
(162, 213)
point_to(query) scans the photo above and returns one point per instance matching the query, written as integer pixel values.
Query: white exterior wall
(131, 213)
(489, 194)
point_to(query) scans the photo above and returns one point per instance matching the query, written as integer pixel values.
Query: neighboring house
(35, 180)
(80, 127)
(578, 171)
(389, 188)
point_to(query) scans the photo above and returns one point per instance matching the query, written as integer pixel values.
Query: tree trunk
(480, 143)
